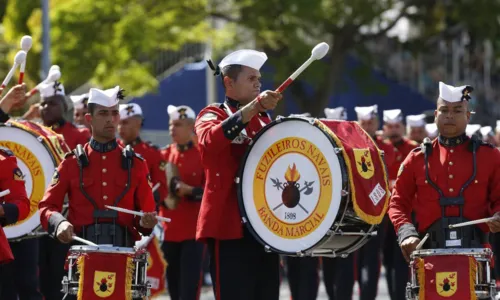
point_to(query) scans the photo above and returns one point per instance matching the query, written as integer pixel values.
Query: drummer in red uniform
(182, 252)
(97, 174)
(80, 110)
(53, 106)
(131, 120)
(19, 277)
(394, 262)
(415, 125)
(446, 181)
(241, 269)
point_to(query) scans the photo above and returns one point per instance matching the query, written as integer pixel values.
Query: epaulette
(6, 151)
(150, 144)
(218, 105)
(68, 154)
(138, 156)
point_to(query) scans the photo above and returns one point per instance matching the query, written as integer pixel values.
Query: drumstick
(479, 221)
(317, 53)
(422, 242)
(54, 75)
(18, 60)
(157, 185)
(133, 212)
(84, 241)
(26, 43)
(4, 193)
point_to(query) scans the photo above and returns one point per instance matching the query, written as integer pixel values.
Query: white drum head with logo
(291, 185)
(37, 166)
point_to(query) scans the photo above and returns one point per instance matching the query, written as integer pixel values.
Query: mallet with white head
(26, 43)
(54, 75)
(317, 53)
(18, 60)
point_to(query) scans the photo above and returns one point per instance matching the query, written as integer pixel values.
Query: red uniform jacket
(449, 168)
(401, 150)
(72, 134)
(389, 153)
(16, 205)
(221, 157)
(104, 179)
(156, 165)
(184, 217)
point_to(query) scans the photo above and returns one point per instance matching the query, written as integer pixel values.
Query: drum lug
(300, 254)
(337, 150)
(279, 118)
(244, 220)
(8, 124)
(237, 180)
(344, 193)
(40, 139)
(267, 249)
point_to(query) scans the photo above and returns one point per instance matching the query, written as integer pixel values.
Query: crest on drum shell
(446, 283)
(18, 174)
(290, 189)
(364, 163)
(104, 283)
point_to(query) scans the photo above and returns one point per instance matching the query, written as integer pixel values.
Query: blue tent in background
(188, 87)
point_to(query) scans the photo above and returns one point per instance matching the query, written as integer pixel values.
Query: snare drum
(104, 271)
(445, 271)
(310, 187)
(39, 151)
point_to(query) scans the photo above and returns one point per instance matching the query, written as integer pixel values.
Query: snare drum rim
(241, 169)
(452, 251)
(102, 249)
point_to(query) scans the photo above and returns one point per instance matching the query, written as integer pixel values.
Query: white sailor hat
(415, 120)
(50, 89)
(337, 113)
(471, 129)
(366, 112)
(80, 101)
(249, 58)
(393, 116)
(431, 129)
(129, 110)
(450, 93)
(107, 98)
(486, 130)
(180, 112)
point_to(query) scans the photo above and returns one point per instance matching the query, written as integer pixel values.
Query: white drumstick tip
(320, 50)
(26, 43)
(20, 57)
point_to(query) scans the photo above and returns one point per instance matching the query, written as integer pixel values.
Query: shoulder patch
(18, 174)
(6, 151)
(138, 156)
(208, 117)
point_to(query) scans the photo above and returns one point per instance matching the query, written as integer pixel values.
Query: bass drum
(39, 151)
(301, 192)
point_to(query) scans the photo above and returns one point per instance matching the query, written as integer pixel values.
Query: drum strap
(230, 113)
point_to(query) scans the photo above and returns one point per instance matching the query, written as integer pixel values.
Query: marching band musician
(97, 174)
(394, 262)
(80, 109)
(416, 128)
(183, 253)
(18, 278)
(52, 108)
(240, 267)
(447, 181)
(131, 120)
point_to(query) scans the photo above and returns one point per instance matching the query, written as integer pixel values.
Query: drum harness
(95, 231)
(440, 235)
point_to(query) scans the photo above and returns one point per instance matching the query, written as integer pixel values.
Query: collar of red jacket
(135, 142)
(454, 141)
(185, 147)
(58, 124)
(103, 147)
(233, 103)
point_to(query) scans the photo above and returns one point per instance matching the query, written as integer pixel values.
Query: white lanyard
(230, 113)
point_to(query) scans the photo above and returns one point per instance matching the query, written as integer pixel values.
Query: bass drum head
(37, 165)
(290, 185)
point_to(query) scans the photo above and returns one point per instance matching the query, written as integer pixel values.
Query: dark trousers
(396, 267)
(368, 263)
(184, 270)
(242, 270)
(495, 243)
(328, 267)
(303, 277)
(20, 277)
(52, 259)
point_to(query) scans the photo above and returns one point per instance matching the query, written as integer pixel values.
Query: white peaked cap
(431, 129)
(50, 89)
(180, 112)
(454, 94)
(107, 98)
(366, 112)
(472, 129)
(79, 101)
(486, 130)
(415, 120)
(337, 113)
(393, 116)
(249, 58)
(129, 110)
